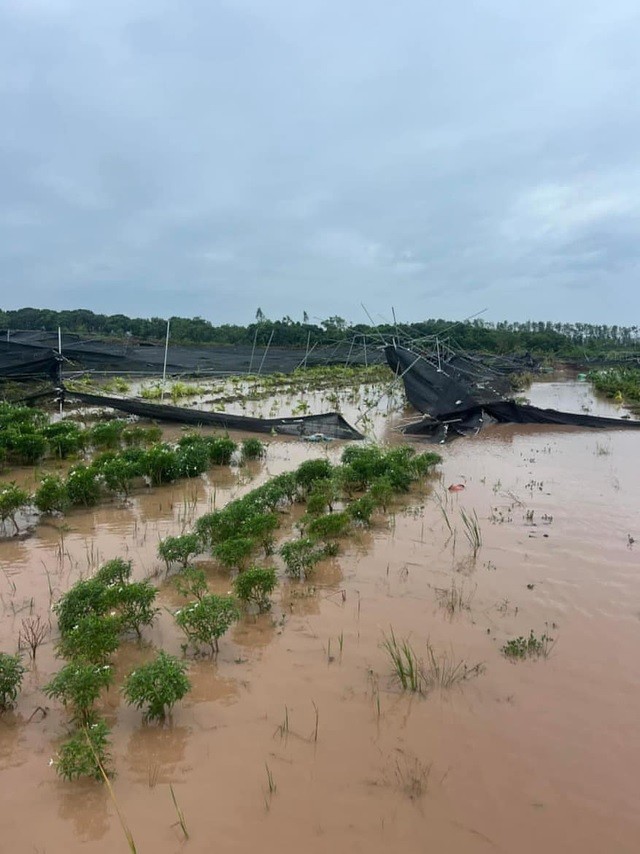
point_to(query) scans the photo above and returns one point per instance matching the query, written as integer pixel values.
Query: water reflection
(86, 804)
(11, 738)
(154, 754)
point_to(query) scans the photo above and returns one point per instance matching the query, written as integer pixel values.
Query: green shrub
(161, 464)
(51, 496)
(86, 598)
(11, 673)
(78, 685)
(65, 438)
(29, 448)
(364, 463)
(423, 463)
(255, 585)
(261, 529)
(311, 471)
(322, 496)
(135, 436)
(12, 499)
(361, 510)
(253, 449)
(107, 434)
(93, 639)
(134, 605)
(119, 473)
(192, 581)
(83, 486)
(206, 620)
(179, 549)
(234, 552)
(114, 572)
(221, 449)
(300, 556)
(329, 527)
(157, 685)
(83, 753)
(193, 458)
(382, 492)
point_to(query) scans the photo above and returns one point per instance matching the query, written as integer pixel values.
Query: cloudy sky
(208, 157)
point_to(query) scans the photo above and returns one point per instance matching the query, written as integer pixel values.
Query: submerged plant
(192, 581)
(78, 685)
(12, 499)
(300, 556)
(51, 496)
(93, 639)
(179, 549)
(255, 585)
(157, 686)
(253, 449)
(85, 753)
(11, 673)
(531, 647)
(206, 620)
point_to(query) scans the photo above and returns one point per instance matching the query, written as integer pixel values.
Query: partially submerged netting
(330, 425)
(460, 402)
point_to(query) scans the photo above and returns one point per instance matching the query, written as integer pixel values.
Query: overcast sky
(206, 158)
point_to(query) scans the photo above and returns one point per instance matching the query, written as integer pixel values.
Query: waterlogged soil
(297, 739)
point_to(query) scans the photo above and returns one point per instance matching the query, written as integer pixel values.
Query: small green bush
(78, 685)
(234, 552)
(382, 492)
(29, 448)
(361, 509)
(330, 526)
(136, 436)
(253, 449)
(161, 464)
(193, 458)
(12, 499)
(179, 549)
(65, 438)
(51, 496)
(300, 556)
(255, 585)
(157, 685)
(192, 581)
(93, 639)
(311, 471)
(221, 449)
(119, 473)
(11, 673)
(85, 752)
(206, 620)
(83, 486)
(114, 572)
(86, 598)
(134, 605)
(107, 434)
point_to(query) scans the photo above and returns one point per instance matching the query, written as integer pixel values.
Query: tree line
(501, 337)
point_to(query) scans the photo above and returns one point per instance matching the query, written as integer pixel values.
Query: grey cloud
(206, 158)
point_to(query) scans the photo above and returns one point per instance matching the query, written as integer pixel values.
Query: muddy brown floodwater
(527, 757)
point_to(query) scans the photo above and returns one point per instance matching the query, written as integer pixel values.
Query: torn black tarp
(457, 405)
(330, 425)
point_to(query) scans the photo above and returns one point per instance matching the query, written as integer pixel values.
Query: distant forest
(503, 337)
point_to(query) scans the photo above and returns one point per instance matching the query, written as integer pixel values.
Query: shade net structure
(329, 425)
(457, 399)
(20, 351)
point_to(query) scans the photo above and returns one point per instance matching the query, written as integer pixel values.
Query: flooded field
(296, 737)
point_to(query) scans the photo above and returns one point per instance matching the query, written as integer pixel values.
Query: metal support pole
(166, 351)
